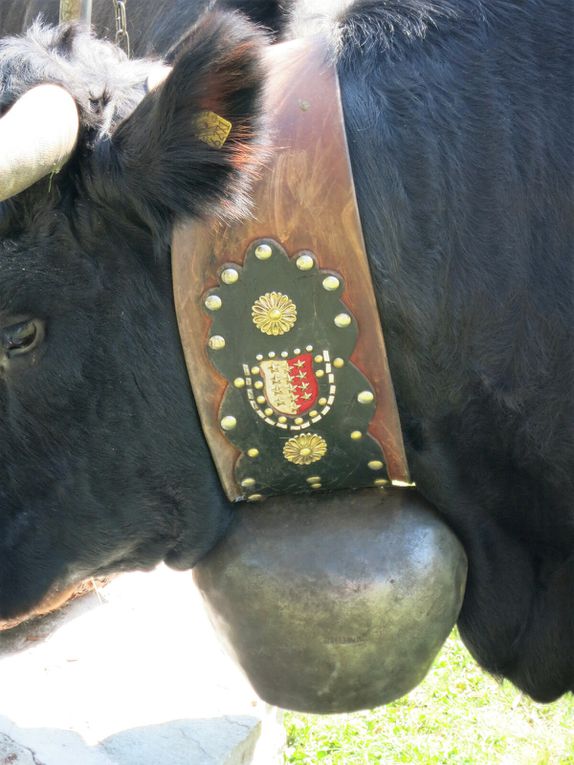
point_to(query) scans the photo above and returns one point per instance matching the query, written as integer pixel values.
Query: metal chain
(122, 37)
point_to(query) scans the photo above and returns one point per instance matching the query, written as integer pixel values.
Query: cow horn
(157, 75)
(37, 136)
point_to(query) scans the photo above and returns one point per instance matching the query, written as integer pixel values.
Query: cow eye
(22, 337)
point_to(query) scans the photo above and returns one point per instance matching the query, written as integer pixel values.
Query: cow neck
(277, 314)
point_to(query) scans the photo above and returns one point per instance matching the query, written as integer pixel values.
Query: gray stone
(136, 677)
(12, 753)
(219, 741)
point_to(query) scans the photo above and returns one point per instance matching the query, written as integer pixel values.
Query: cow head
(102, 464)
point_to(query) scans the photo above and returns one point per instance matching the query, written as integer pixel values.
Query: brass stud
(305, 262)
(268, 411)
(318, 358)
(229, 422)
(315, 485)
(216, 342)
(331, 283)
(271, 354)
(255, 497)
(381, 482)
(284, 354)
(356, 435)
(313, 479)
(258, 384)
(342, 320)
(320, 373)
(253, 453)
(313, 413)
(375, 465)
(247, 482)
(365, 397)
(229, 275)
(239, 382)
(282, 420)
(296, 351)
(263, 252)
(255, 370)
(338, 362)
(261, 399)
(259, 357)
(299, 420)
(322, 401)
(213, 302)
(309, 348)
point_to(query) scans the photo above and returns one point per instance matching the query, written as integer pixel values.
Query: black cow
(459, 119)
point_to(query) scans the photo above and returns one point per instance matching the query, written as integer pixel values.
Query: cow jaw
(57, 597)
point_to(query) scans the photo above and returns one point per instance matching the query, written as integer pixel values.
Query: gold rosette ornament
(305, 449)
(274, 313)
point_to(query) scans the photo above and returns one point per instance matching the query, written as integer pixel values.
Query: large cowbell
(335, 602)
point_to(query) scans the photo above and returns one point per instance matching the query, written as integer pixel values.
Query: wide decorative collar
(277, 314)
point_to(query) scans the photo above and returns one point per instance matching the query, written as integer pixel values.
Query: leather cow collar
(277, 314)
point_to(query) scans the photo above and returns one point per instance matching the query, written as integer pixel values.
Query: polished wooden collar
(277, 314)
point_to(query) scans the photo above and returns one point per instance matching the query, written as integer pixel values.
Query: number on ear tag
(212, 129)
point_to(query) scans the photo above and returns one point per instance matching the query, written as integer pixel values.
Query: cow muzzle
(37, 137)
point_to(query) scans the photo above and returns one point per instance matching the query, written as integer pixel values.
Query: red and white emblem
(291, 393)
(290, 385)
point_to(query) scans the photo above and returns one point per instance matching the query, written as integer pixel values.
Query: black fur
(459, 118)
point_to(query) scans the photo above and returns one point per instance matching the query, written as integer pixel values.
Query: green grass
(457, 716)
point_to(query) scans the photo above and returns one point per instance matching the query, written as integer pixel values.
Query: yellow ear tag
(212, 129)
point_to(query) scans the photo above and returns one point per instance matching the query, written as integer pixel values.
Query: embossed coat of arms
(296, 408)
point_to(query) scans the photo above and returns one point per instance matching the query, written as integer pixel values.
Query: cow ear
(193, 144)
